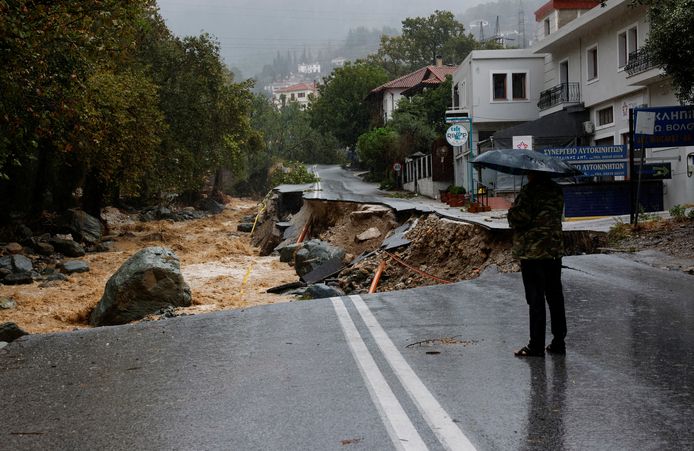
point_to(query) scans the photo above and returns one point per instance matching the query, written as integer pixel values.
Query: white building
(593, 60)
(299, 93)
(309, 68)
(495, 89)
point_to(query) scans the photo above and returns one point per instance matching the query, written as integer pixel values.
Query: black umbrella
(522, 161)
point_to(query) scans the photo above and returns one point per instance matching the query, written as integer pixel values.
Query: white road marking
(448, 433)
(400, 429)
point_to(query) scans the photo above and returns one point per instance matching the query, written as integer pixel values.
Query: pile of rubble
(341, 245)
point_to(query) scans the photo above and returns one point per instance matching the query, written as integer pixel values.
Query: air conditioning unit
(589, 127)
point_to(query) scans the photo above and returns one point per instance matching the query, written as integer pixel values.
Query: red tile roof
(430, 75)
(554, 5)
(298, 87)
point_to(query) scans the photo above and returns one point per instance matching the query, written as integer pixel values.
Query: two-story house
(594, 62)
(493, 90)
(298, 93)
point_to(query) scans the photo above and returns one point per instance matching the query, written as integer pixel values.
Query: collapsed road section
(350, 247)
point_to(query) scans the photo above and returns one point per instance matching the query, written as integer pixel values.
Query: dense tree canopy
(341, 108)
(671, 42)
(100, 99)
(422, 40)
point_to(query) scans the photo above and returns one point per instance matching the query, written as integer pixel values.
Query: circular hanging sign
(397, 167)
(456, 135)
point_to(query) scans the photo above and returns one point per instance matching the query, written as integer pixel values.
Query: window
(605, 116)
(291, 96)
(499, 87)
(627, 42)
(301, 95)
(547, 27)
(592, 63)
(518, 84)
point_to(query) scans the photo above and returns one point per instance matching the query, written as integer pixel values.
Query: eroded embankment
(439, 250)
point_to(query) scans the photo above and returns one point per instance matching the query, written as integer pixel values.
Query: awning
(562, 124)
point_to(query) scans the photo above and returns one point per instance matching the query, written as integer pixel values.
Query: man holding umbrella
(538, 240)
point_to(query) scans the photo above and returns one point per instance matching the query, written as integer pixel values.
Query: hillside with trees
(102, 103)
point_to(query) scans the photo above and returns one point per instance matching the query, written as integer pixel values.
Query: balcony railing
(562, 93)
(639, 61)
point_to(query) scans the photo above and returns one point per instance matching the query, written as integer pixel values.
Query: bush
(292, 173)
(457, 190)
(678, 213)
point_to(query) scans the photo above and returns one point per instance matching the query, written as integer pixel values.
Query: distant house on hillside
(309, 68)
(298, 93)
(390, 93)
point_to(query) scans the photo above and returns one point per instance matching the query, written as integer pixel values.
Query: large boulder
(313, 254)
(147, 282)
(81, 225)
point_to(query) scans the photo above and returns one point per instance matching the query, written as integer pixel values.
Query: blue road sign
(588, 153)
(594, 168)
(673, 127)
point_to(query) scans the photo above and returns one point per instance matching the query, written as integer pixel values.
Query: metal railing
(639, 61)
(562, 93)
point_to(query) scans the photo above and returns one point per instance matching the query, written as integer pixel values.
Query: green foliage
(678, 212)
(378, 150)
(99, 95)
(340, 108)
(618, 232)
(670, 42)
(456, 190)
(291, 172)
(422, 40)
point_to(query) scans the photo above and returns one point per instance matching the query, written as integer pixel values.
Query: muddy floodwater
(215, 261)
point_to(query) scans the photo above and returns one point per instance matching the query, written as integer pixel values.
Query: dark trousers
(542, 282)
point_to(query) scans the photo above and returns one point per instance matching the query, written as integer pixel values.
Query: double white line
(399, 426)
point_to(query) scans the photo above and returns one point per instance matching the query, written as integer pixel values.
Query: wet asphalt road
(298, 376)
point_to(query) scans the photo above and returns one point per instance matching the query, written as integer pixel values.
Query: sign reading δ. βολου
(588, 153)
(673, 126)
(456, 135)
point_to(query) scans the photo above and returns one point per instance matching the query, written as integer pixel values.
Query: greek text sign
(593, 168)
(588, 153)
(674, 126)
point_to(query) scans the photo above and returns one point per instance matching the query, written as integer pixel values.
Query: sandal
(556, 350)
(527, 352)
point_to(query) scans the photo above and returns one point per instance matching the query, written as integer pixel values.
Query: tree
(340, 108)
(670, 44)
(424, 39)
(378, 149)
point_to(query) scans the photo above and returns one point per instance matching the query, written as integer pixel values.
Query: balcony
(557, 95)
(639, 62)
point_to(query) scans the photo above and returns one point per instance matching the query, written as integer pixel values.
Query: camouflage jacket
(535, 218)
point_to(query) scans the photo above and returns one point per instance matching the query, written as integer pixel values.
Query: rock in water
(82, 226)
(148, 281)
(68, 248)
(10, 332)
(73, 266)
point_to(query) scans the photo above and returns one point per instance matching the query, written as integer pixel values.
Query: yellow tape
(245, 278)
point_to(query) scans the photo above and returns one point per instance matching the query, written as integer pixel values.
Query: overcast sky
(251, 31)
